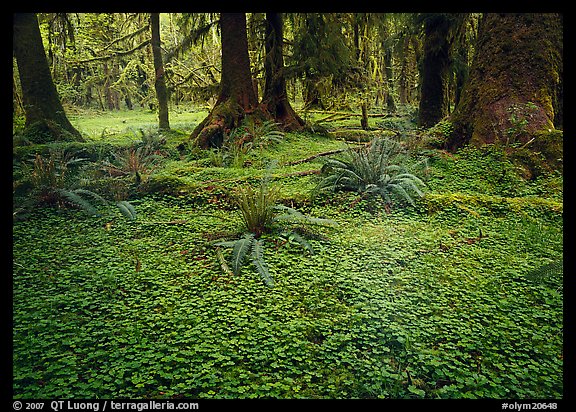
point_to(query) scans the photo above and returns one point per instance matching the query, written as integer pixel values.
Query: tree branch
(114, 54)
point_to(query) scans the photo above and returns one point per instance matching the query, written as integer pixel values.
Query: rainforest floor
(426, 301)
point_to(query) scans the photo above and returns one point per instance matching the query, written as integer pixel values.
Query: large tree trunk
(275, 98)
(435, 63)
(237, 97)
(44, 113)
(160, 80)
(514, 87)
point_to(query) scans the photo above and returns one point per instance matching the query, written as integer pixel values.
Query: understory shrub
(55, 180)
(262, 215)
(376, 170)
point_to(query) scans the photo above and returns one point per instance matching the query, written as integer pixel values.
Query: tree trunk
(237, 97)
(514, 87)
(275, 97)
(160, 80)
(44, 113)
(435, 63)
(312, 97)
(390, 103)
(403, 85)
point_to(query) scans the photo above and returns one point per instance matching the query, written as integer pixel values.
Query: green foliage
(132, 161)
(261, 215)
(53, 180)
(257, 206)
(372, 171)
(46, 176)
(255, 134)
(80, 198)
(544, 271)
(431, 302)
(241, 248)
(251, 134)
(127, 209)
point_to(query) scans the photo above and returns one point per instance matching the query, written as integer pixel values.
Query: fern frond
(226, 243)
(295, 237)
(127, 209)
(75, 197)
(223, 263)
(551, 269)
(240, 250)
(260, 264)
(91, 194)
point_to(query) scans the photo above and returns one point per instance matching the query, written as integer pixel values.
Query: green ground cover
(431, 301)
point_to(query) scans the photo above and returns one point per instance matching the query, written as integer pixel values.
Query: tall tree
(515, 80)
(237, 96)
(435, 63)
(159, 77)
(320, 53)
(42, 107)
(275, 97)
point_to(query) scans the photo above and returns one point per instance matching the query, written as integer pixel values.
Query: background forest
(297, 205)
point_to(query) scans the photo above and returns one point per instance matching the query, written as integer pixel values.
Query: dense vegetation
(294, 205)
(426, 301)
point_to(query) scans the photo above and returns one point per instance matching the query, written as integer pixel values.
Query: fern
(76, 197)
(223, 263)
(260, 264)
(241, 249)
(88, 201)
(295, 237)
(376, 170)
(291, 215)
(127, 209)
(551, 269)
(256, 207)
(261, 214)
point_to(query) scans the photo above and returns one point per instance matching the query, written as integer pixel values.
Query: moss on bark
(512, 92)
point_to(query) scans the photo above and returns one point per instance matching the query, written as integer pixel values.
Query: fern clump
(53, 180)
(249, 135)
(257, 206)
(374, 170)
(262, 215)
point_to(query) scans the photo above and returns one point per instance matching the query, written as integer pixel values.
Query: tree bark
(390, 103)
(43, 110)
(160, 79)
(275, 97)
(435, 63)
(514, 87)
(237, 97)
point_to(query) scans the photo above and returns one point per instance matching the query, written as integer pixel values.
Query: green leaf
(413, 389)
(241, 249)
(127, 209)
(260, 264)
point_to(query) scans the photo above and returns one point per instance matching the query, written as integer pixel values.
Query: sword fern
(261, 215)
(375, 170)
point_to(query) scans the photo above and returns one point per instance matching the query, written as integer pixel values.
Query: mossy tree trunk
(515, 82)
(435, 62)
(43, 110)
(160, 79)
(237, 97)
(275, 98)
